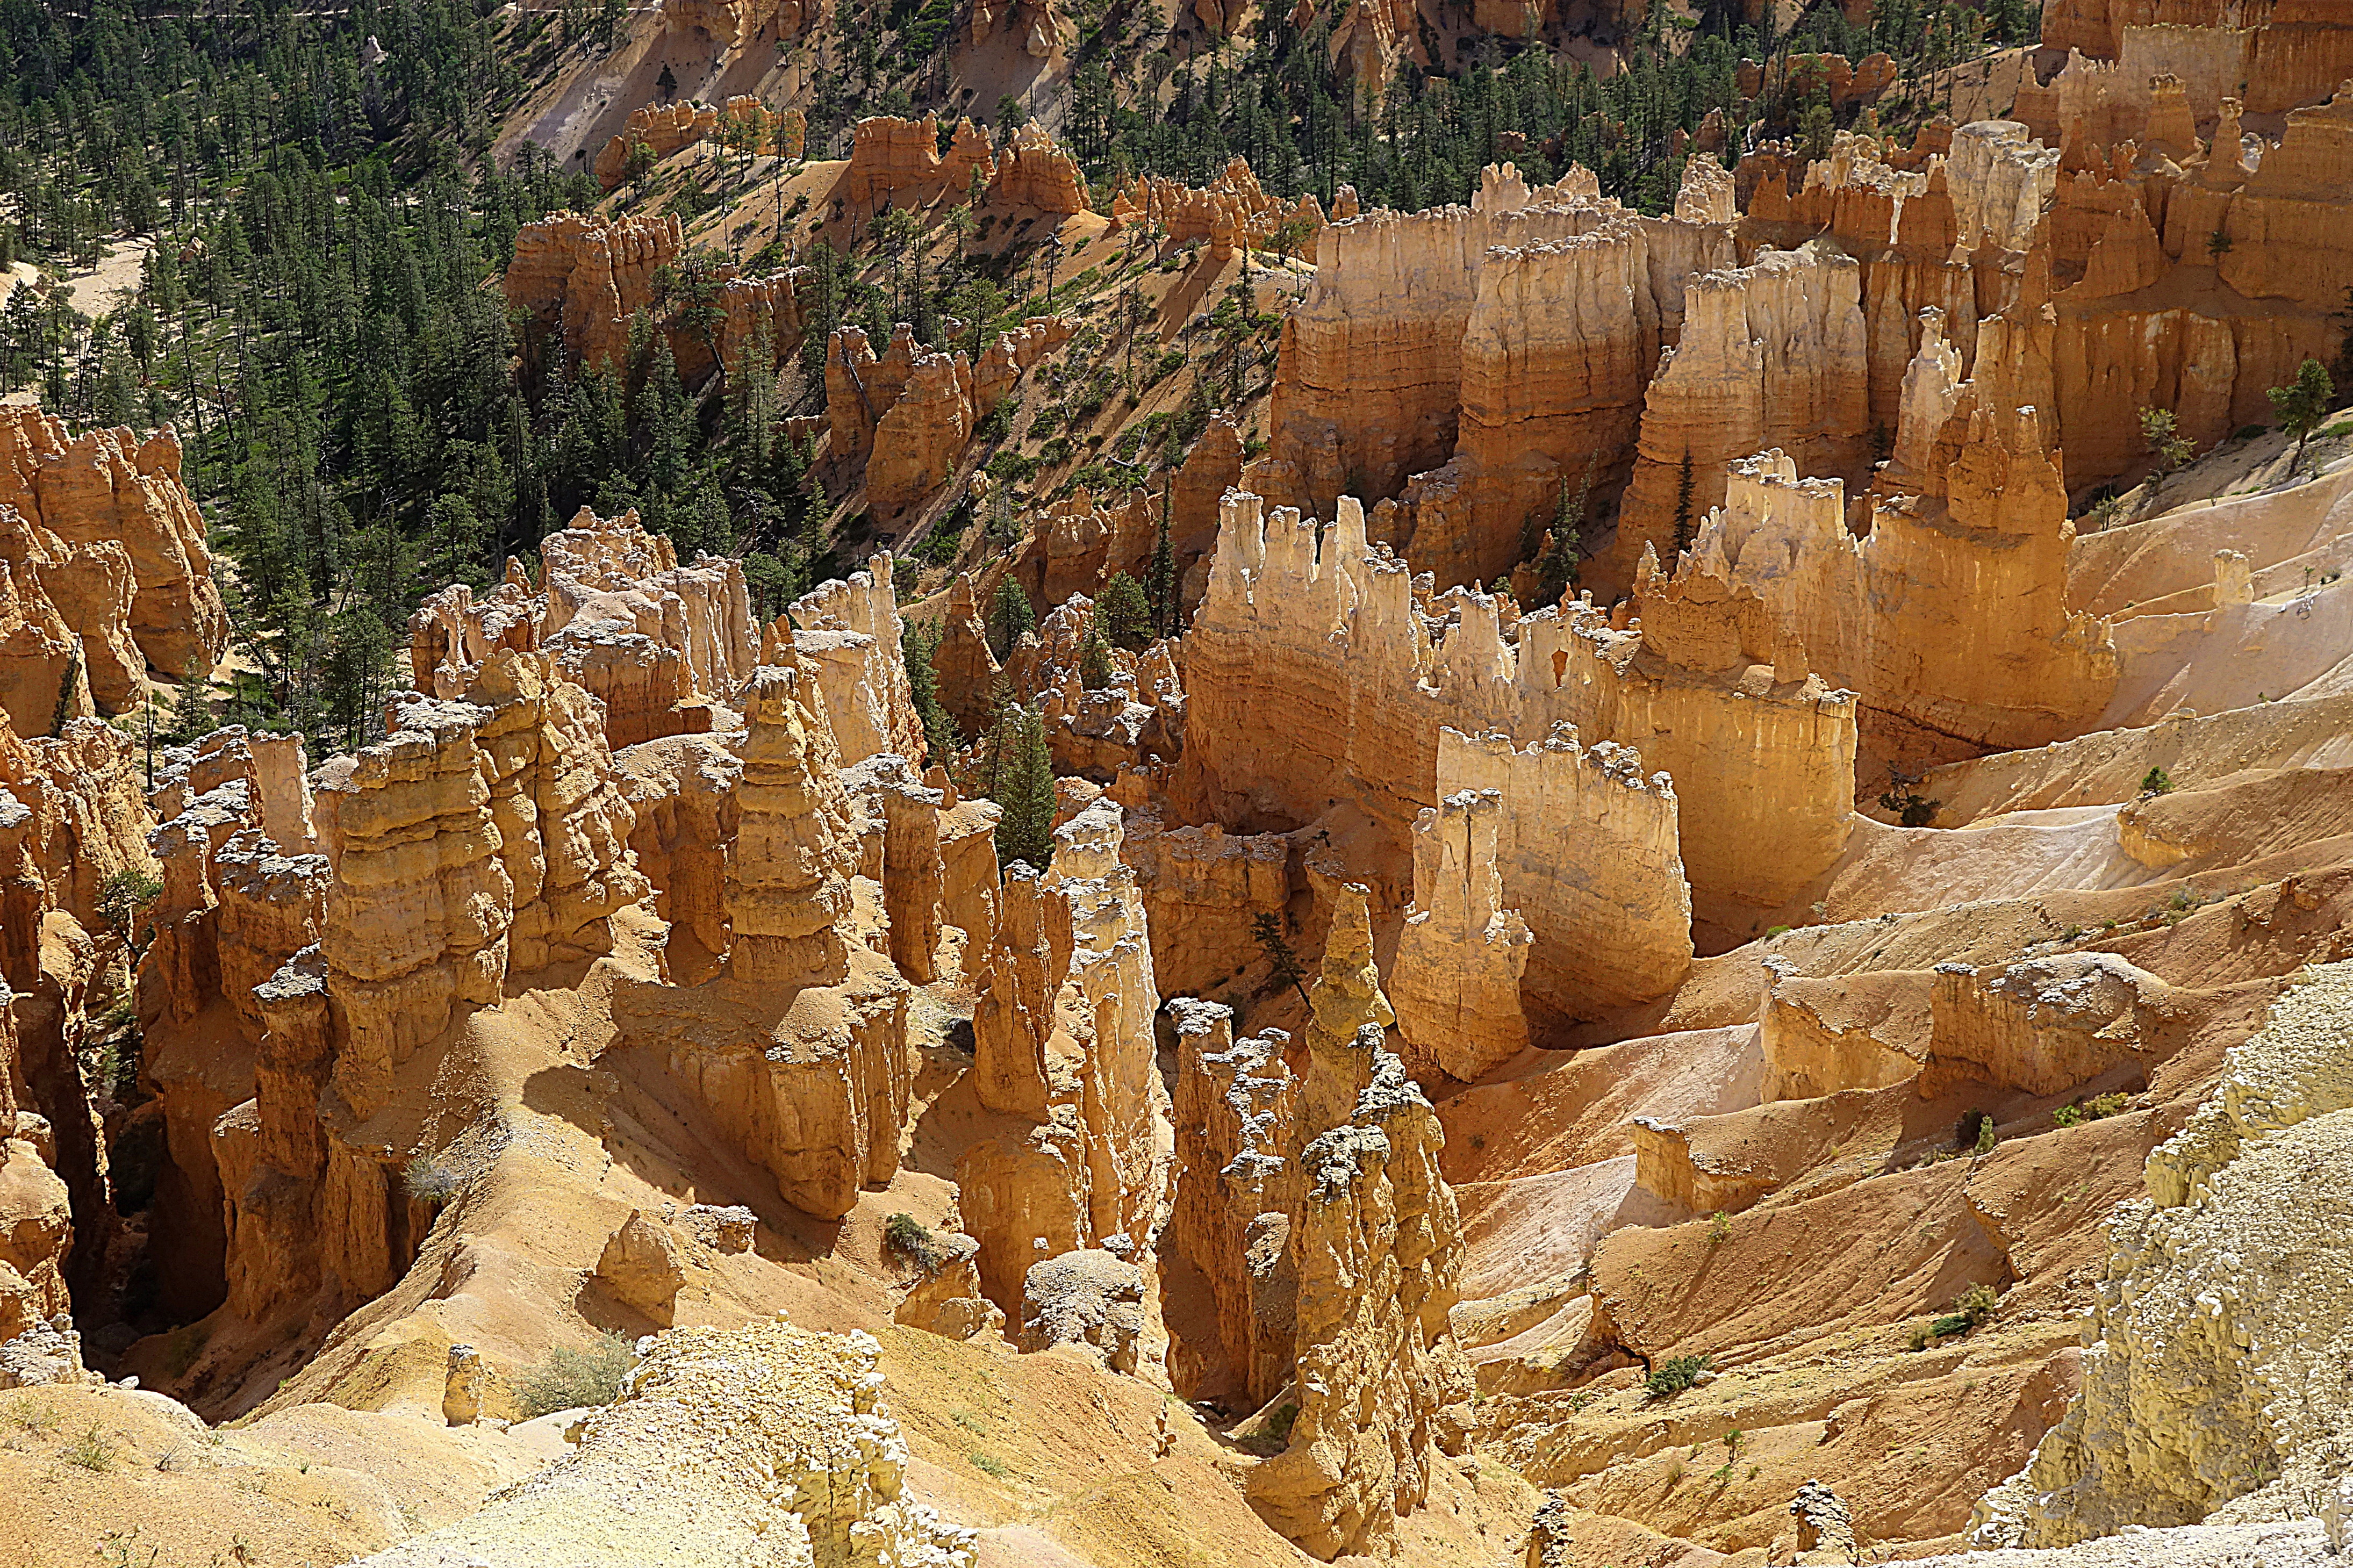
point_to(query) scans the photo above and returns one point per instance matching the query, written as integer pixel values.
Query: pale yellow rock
(642, 1268)
(762, 1444)
(2210, 1390)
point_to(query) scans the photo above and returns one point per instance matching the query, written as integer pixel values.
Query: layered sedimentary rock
(2287, 52)
(1461, 955)
(850, 630)
(562, 826)
(661, 128)
(2209, 1374)
(1033, 171)
(1035, 24)
(907, 414)
(77, 497)
(797, 1048)
(767, 1443)
(1324, 680)
(1063, 1038)
(65, 649)
(1904, 616)
(1609, 928)
(1368, 392)
(1772, 355)
(1237, 1183)
(2045, 1024)
(1232, 209)
(657, 643)
(891, 158)
(1377, 1250)
(668, 128)
(583, 278)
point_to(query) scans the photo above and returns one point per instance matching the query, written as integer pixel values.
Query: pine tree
(917, 642)
(1124, 613)
(2303, 404)
(1684, 486)
(1010, 615)
(1094, 655)
(1026, 790)
(1160, 591)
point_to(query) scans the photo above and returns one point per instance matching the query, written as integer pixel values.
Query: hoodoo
(1057, 786)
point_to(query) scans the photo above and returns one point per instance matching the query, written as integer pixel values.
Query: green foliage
(1123, 613)
(2157, 781)
(2168, 448)
(1009, 616)
(1094, 655)
(1719, 1229)
(2304, 403)
(1987, 1137)
(429, 1179)
(1671, 1376)
(1686, 485)
(568, 1379)
(906, 1236)
(1023, 784)
(917, 642)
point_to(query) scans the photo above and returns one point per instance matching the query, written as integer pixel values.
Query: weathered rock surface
(2204, 1382)
(1376, 1249)
(100, 518)
(758, 1444)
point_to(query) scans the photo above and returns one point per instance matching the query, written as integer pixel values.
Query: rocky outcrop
(900, 161)
(1416, 343)
(1232, 209)
(2206, 1378)
(662, 127)
(848, 630)
(945, 1298)
(563, 824)
(1063, 1039)
(1772, 355)
(755, 1443)
(84, 503)
(1035, 24)
(421, 903)
(1237, 1184)
(907, 415)
(2287, 52)
(1033, 171)
(1090, 1299)
(797, 1048)
(1377, 1250)
(1903, 617)
(656, 643)
(2046, 1025)
(583, 279)
(1324, 679)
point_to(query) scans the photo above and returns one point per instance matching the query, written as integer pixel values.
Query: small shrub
(1719, 1229)
(2112, 1103)
(1977, 1303)
(1970, 1129)
(2068, 1116)
(427, 1179)
(1945, 1328)
(1919, 1340)
(92, 1451)
(1986, 1136)
(1771, 931)
(910, 1238)
(1670, 1377)
(989, 1465)
(2157, 781)
(566, 1379)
